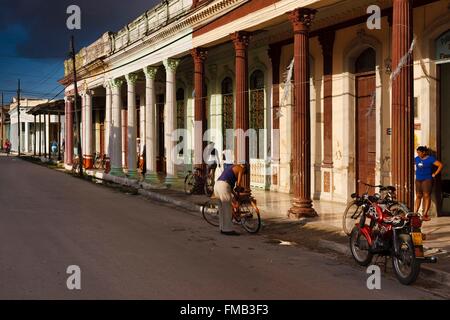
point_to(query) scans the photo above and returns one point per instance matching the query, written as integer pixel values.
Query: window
(227, 109)
(366, 61)
(257, 110)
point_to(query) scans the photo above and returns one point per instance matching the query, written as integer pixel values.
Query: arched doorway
(365, 140)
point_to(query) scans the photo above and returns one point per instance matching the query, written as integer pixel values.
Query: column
(48, 136)
(327, 41)
(40, 135)
(69, 134)
(132, 125)
(97, 138)
(170, 112)
(240, 41)
(108, 106)
(402, 143)
(83, 126)
(150, 119)
(275, 55)
(116, 129)
(199, 55)
(59, 136)
(34, 136)
(27, 133)
(87, 125)
(45, 136)
(301, 148)
(123, 127)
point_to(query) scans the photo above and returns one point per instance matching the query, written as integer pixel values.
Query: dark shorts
(424, 186)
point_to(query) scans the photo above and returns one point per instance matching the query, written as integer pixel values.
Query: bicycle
(196, 182)
(245, 212)
(76, 165)
(354, 208)
(99, 161)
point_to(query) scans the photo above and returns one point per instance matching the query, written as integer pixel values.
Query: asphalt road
(128, 247)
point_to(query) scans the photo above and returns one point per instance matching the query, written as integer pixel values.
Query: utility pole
(75, 103)
(18, 115)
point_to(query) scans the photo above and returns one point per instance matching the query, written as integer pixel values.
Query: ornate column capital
(87, 92)
(241, 40)
(171, 64)
(301, 19)
(116, 83)
(131, 78)
(199, 55)
(107, 84)
(150, 72)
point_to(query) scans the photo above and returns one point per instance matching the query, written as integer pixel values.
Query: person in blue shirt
(231, 178)
(424, 179)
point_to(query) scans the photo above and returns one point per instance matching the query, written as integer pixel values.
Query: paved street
(131, 248)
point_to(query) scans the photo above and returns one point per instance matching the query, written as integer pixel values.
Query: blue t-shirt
(424, 168)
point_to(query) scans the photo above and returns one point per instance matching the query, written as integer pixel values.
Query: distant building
(28, 128)
(4, 124)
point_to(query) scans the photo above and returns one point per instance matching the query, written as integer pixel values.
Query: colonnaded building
(333, 94)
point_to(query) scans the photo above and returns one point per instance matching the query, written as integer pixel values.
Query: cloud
(41, 24)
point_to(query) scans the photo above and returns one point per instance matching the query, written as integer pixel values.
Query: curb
(143, 189)
(439, 277)
(187, 205)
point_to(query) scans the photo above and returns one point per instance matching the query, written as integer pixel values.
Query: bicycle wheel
(189, 183)
(210, 212)
(249, 216)
(351, 214)
(209, 185)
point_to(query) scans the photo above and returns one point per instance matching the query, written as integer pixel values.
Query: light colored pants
(223, 190)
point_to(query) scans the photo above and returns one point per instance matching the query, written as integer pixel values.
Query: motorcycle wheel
(362, 256)
(405, 265)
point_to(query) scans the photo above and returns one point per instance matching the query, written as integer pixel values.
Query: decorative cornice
(171, 64)
(150, 72)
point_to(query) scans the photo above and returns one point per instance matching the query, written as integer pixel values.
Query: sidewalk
(324, 232)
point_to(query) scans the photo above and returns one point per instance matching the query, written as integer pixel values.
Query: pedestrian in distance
(425, 179)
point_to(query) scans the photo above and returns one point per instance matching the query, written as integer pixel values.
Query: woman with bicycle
(424, 179)
(232, 177)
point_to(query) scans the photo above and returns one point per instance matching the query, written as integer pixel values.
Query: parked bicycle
(99, 161)
(196, 182)
(245, 212)
(76, 165)
(355, 207)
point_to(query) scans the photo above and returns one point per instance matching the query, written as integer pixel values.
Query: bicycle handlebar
(370, 185)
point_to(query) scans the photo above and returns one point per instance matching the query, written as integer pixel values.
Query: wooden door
(365, 130)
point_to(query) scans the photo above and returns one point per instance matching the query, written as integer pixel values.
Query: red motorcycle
(389, 230)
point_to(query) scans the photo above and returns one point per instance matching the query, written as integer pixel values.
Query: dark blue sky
(34, 39)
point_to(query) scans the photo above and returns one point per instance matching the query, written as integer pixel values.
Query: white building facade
(320, 124)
